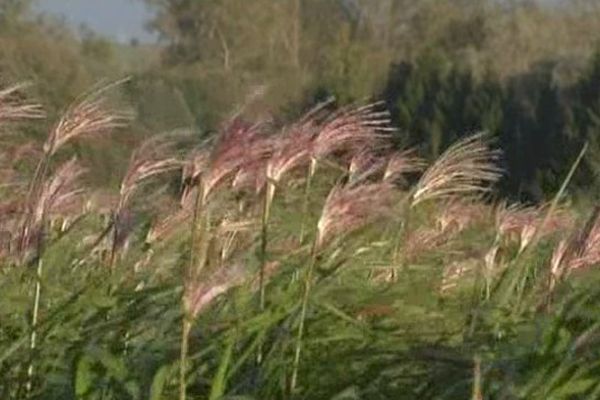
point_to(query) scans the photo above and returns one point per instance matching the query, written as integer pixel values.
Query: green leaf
(572, 388)
(220, 380)
(84, 376)
(158, 382)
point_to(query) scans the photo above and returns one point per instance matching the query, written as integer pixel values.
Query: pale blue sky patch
(119, 19)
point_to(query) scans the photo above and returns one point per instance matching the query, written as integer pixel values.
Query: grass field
(308, 260)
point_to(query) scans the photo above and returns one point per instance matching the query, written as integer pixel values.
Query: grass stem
(183, 357)
(303, 310)
(266, 214)
(306, 199)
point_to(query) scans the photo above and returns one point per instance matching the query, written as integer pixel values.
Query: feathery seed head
(13, 106)
(401, 163)
(89, 116)
(239, 145)
(468, 167)
(164, 227)
(363, 165)
(351, 129)
(352, 207)
(423, 241)
(199, 294)
(60, 190)
(58, 195)
(523, 222)
(585, 249)
(457, 215)
(194, 167)
(156, 156)
(292, 150)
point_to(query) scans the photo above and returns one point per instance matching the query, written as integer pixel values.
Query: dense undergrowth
(305, 261)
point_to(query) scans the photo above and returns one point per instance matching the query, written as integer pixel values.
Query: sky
(119, 19)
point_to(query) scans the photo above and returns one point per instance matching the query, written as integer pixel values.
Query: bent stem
(305, 202)
(398, 261)
(185, 338)
(477, 386)
(198, 251)
(266, 214)
(112, 261)
(38, 179)
(304, 307)
(34, 323)
(522, 278)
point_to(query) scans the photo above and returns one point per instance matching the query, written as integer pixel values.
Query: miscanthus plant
(304, 260)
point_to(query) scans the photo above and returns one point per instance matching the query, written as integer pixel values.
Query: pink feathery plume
(200, 293)
(317, 135)
(163, 228)
(457, 215)
(352, 207)
(364, 164)
(60, 190)
(88, 116)
(194, 167)
(402, 163)
(238, 145)
(585, 251)
(154, 157)
(524, 221)
(581, 250)
(292, 150)
(423, 241)
(467, 168)
(351, 128)
(253, 176)
(58, 195)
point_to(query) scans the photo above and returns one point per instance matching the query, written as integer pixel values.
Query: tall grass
(188, 291)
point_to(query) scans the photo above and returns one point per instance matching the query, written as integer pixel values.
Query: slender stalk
(398, 260)
(306, 200)
(304, 307)
(266, 214)
(34, 193)
(112, 261)
(115, 236)
(197, 226)
(34, 322)
(198, 250)
(477, 390)
(559, 195)
(270, 193)
(520, 283)
(185, 338)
